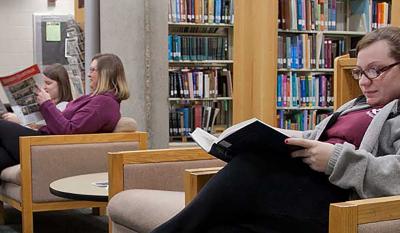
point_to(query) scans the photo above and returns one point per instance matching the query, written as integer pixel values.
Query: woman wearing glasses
(355, 153)
(97, 112)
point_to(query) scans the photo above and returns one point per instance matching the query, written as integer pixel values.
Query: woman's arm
(8, 116)
(360, 170)
(98, 114)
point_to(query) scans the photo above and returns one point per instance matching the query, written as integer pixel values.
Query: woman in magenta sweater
(97, 112)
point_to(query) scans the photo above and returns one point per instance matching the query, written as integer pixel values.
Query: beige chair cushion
(12, 174)
(117, 228)
(126, 124)
(142, 210)
(380, 227)
(11, 190)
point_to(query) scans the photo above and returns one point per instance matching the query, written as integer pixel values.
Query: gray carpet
(67, 221)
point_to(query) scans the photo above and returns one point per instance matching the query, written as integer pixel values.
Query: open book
(19, 88)
(251, 135)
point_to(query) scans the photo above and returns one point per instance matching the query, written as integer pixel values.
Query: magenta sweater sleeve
(89, 114)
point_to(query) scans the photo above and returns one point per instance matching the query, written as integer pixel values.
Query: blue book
(288, 50)
(175, 47)
(186, 117)
(300, 16)
(300, 59)
(169, 47)
(313, 90)
(178, 11)
(279, 91)
(374, 25)
(303, 91)
(333, 14)
(195, 84)
(305, 120)
(294, 55)
(281, 114)
(178, 47)
(185, 48)
(293, 84)
(217, 9)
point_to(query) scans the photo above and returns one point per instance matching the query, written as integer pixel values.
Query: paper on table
(102, 184)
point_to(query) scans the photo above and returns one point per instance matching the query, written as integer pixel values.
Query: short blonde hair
(111, 76)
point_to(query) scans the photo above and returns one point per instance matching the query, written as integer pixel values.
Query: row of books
(200, 83)
(201, 11)
(196, 30)
(305, 90)
(197, 48)
(301, 120)
(380, 14)
(308, 51)
(340, 15)
(369, 14)
(183, 120)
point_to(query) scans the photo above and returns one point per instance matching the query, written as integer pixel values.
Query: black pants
(9, 142)
(260, 193)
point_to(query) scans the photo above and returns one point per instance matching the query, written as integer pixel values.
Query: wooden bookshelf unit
(200, 35)
(256, 54)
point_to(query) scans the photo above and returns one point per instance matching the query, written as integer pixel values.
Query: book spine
(279, 91)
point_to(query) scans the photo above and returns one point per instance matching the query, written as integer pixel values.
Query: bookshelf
(256, 66)
(200, 65)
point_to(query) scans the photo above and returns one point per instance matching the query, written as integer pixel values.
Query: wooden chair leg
(110, 227)
(27, 221)
(2, 214)
(99, 211)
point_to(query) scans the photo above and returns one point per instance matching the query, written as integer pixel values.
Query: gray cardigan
(373, 170)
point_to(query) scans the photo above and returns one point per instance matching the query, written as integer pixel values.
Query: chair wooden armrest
(344, 217)
(195, 179)
(117, 161)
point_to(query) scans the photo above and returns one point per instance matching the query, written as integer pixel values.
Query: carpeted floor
(68, 221)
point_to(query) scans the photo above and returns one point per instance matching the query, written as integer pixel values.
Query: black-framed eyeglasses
(371, 73)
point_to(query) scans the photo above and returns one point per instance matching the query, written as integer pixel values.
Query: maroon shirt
(350, 127)
(87, 114)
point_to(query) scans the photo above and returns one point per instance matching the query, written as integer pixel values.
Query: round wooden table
(88, 187)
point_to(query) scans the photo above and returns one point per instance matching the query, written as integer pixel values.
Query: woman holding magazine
(354, 153)
(85, 114)
(56, 83)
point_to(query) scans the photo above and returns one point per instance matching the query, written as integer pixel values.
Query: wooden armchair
(146, 186)
(360, 216)
(44, 159)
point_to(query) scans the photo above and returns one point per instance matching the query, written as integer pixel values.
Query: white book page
(204, 139)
